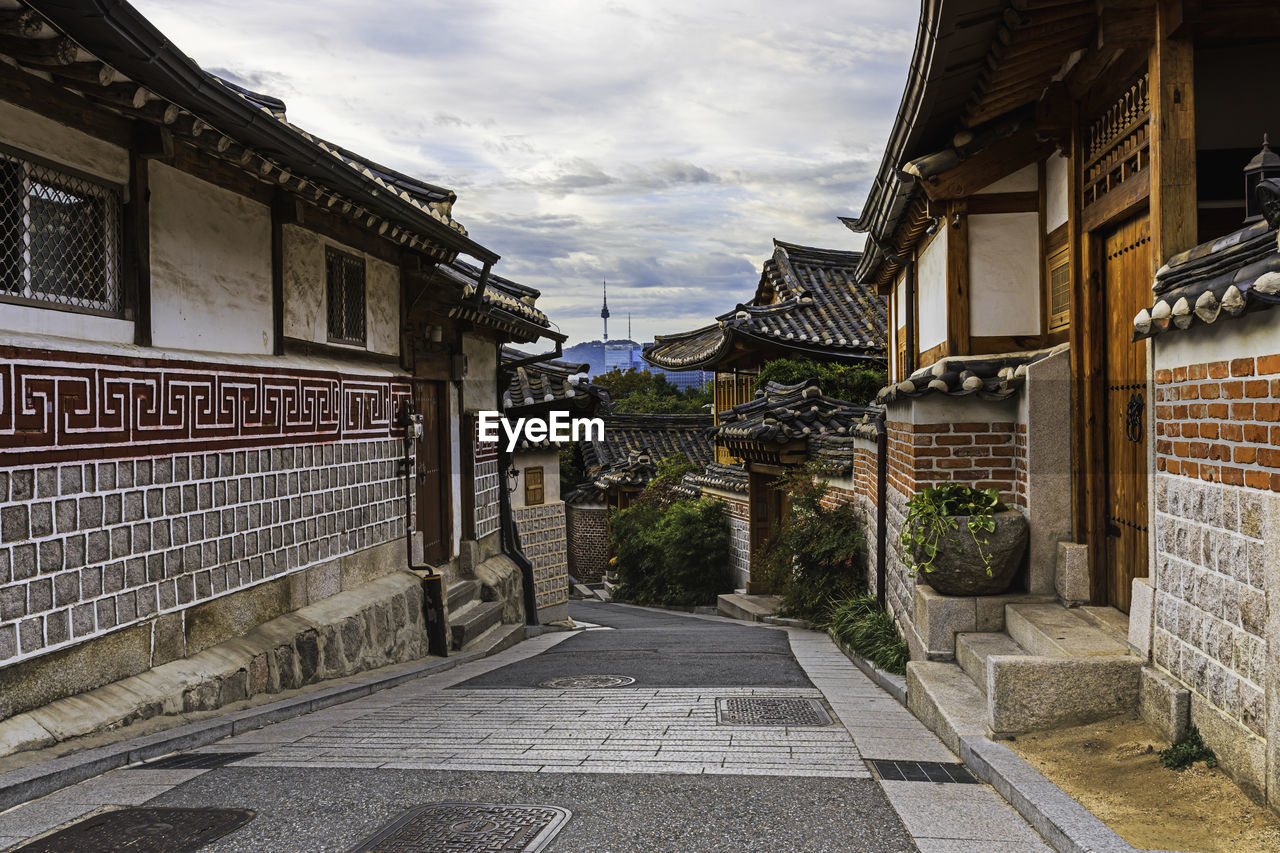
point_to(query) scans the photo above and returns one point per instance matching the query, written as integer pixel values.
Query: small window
(533, 494)
(1058, 279)
(344, 274)
(59, 238)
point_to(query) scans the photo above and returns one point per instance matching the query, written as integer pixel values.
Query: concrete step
(472, 620)
(495, 639)
(972, 651)
(749, 608)
(1051, 630)
(1108, 620)
(947, 701)
(461, 593)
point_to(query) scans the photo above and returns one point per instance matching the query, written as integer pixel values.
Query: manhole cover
(583, 682)
(195, 761)
(770, 711)
(922, 771)
(142, 831)
(468, 828)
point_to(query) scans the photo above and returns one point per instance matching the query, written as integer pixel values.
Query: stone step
(461, 593)
(1032, 693)
(1108, 620)
(1051, 630)
(972, 651)
(947, 701)
(472, 620)
(495, 639)
(749, 608)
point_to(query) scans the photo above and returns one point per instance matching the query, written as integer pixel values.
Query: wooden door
(767, 506)
(433, 480)
(1126, 268)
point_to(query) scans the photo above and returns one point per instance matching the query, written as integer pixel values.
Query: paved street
(662, 764)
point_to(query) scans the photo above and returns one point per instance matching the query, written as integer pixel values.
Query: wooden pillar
(281, 212)
(1173, 135)
(958, 278)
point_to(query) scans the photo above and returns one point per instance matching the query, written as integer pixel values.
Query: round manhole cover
(586, 682)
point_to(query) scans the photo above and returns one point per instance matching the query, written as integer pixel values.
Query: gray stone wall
(90, 548)
(544, 540)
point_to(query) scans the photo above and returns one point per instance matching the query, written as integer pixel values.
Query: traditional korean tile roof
(781, 414)
(550, 382)
(503, 298)
(806, 301)
(990, 377)
(724, 478)
(1218, 279)
(660, 435)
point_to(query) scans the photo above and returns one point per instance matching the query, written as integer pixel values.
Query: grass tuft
(1188, 751)
(860, 624)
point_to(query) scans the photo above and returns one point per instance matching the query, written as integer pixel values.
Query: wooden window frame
(1057, 256)
(535, 494)
(347, 336)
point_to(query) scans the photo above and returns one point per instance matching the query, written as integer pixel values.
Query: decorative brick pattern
(1211, 603)
(739, 541)
(1220, 421)
(487, 483)
(87, 548)
(588, 542)
(544, 541)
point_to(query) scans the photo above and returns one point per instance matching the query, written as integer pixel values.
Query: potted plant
(966, 541)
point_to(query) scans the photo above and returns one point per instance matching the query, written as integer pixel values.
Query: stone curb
(894, 685)
(38, 780)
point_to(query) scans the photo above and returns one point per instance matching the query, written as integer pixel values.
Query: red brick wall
(977, 454)
(1220, 421)
(588, 533)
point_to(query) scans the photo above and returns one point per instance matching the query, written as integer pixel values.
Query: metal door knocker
(1133, 417)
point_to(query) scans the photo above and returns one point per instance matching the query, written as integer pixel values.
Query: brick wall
(978, 454)
(588, 542)
(131, 488)
(543, 538)
(488, 509)
(1220, 421)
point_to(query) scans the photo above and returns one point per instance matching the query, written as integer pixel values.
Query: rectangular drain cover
(142, 831)
(469, 828)
(195, 760)
(922, 771)
(771, 711)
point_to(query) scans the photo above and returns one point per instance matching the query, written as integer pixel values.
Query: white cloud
(657, 144)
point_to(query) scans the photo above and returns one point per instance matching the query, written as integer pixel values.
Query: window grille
(60, 238)
(533, 494)
(344, 274)
(1058, 261)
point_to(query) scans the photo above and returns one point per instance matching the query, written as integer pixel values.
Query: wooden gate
(768, 507)
(1126, 269)
(433, 481)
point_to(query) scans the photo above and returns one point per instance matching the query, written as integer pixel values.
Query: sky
(657, 145)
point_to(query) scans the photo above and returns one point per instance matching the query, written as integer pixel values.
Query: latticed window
(1058, 278)
(60, 238)
(345, 276)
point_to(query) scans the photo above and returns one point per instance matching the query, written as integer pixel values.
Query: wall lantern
(1266, 164)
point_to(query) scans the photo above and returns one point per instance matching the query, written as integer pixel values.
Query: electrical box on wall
(458, 367)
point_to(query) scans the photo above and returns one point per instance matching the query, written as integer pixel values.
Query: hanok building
(807, 304)
(1045, 161)
(538, 387)
(217, 331)
(619, 466)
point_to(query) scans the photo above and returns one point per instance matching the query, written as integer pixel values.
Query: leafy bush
(661, 490)
(818, 554)
(1188, 751)
(868, 630)
(849, 382)
(931, 522)
(675, 554)
(634, 390)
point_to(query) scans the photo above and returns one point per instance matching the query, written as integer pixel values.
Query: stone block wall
(488, 508)
(544, 540)
(588, 531)
(739, 512)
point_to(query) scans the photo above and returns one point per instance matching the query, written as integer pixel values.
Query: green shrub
(1188, 751)
(931, 522)
(818, 554)
(868, 630)
(675, 554)
(849, 382)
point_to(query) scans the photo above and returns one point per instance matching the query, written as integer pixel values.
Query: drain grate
(922, 771)
(586, 682)
(142, 831)
(469, 828)
(771, 711)
(195, 760)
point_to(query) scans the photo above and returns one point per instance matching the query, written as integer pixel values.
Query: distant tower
(629, 327)
(604, 311)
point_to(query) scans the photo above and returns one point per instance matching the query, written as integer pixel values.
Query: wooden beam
(987, 166)
(1173, 138)
(33, 93)
(137, 232)
(282, 210)
(986, 203)
(42, 52)
(958, 278)
(22, 23)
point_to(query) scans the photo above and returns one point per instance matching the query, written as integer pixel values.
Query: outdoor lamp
(1265, 164)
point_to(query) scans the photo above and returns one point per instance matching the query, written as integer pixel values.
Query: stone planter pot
(957, 570)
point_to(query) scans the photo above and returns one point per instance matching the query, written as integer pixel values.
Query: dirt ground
(1112, 768)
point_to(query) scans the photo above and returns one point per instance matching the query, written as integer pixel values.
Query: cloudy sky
(659, 145)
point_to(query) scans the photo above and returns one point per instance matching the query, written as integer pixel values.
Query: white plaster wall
(306, 297)
(549, 460)
(30, 320)
(931, 292)
(1057, 189)
(1025, 180)
(1252, 334)
(210, 266)
(900, 303)
(1004, 274)
(482, 373)
(50, 140)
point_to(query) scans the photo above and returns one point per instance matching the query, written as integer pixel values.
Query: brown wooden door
(433, 480)
(1126, 267)
(767, 505)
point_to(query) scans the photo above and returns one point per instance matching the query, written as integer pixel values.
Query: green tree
(853, 383)
(634, 390)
